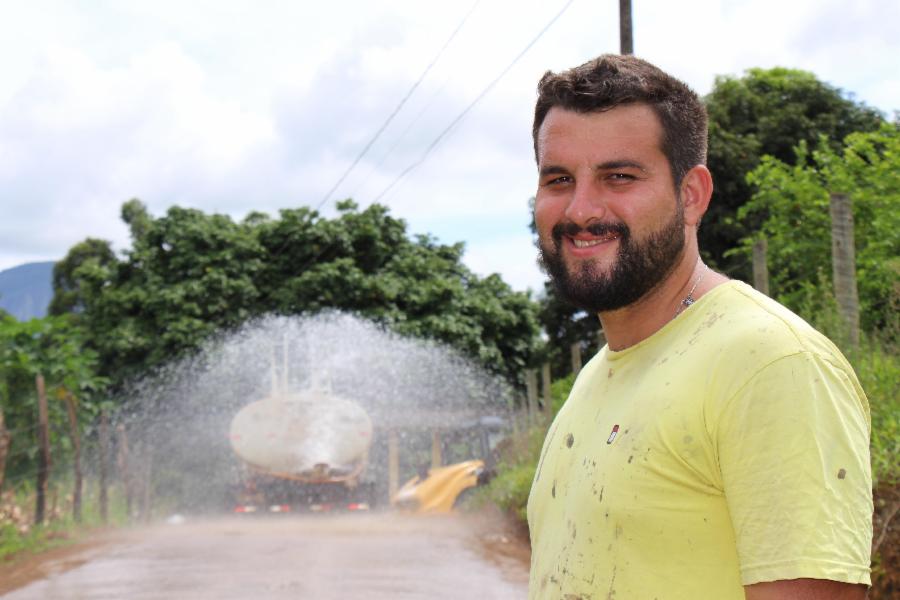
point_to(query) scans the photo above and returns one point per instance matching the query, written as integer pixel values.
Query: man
(717, 447)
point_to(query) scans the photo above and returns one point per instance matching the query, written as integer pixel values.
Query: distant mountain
(26, 290)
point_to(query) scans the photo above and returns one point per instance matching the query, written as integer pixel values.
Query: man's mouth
(581, 243)
(592, 235)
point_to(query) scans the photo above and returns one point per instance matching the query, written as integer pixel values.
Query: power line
(402, 135)
(399, 106)
(471, 105)
(327, 248)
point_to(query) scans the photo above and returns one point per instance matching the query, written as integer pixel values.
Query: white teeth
(588, 243)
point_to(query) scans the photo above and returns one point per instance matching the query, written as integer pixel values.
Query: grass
(19, 535)
(518, 458)
(877, 365)
(14, 543)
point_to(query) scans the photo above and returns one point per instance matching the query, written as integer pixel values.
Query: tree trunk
(843, 262)
(76, 450)
(43, 473)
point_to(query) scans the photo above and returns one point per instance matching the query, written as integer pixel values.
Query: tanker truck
(302, 451)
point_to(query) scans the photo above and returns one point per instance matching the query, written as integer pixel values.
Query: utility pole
(626, 37)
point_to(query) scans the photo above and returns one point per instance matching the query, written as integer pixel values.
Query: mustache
(571, 229)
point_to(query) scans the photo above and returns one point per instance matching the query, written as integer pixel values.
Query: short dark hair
(613, 80)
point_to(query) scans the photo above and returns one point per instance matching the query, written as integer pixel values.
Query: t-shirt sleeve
(793, 450)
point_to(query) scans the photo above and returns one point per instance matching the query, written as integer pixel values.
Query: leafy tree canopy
(565, 326)
(793, 203)
(766, 112)
(67, 296)
(190, 274)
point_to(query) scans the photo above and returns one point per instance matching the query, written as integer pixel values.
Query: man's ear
(696, 190)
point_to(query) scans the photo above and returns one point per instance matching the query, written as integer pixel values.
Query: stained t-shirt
(729, 448)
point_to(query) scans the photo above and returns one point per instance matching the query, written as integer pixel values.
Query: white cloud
(239, 106)
(87, 138)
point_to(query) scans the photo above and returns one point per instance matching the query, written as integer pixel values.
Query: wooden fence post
(104, 466)
(546, 381)
(393, 464)
(124, 468)
(843, 263)
(437, 458)
(5, 438)
(145, 487)
(760, 265)
(43, 474)
(531, 393)
(76, 450)
(576, 357)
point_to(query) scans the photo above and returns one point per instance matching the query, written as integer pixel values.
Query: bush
(519, 455)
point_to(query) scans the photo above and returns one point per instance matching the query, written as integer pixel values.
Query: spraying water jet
(308, 401)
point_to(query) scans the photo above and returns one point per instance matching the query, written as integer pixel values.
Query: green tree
(792, 203)
(766, 112)
(190, 274)
(187, 275)
(566, 325)
(66, 293)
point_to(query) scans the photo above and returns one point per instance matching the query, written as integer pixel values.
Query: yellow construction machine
(440, 488)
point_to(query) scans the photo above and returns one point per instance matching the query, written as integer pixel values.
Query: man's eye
(621, 177)
(562, 179)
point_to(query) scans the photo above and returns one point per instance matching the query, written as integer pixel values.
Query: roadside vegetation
(19, 535)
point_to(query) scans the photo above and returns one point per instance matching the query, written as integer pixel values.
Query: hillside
(26, 290)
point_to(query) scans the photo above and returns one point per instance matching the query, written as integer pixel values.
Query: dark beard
(640, 265)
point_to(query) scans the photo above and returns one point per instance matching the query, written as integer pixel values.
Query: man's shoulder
(750, 333)
(747, 317)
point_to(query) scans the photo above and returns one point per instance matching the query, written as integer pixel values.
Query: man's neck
(636, 322)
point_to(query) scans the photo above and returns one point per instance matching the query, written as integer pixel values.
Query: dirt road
(372, 556)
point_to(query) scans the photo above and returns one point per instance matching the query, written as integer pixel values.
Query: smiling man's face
(610, 224)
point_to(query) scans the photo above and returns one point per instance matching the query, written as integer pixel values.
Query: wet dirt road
(372, 556)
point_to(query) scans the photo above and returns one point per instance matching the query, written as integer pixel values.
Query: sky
(238, 106)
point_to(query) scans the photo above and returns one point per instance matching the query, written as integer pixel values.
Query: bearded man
(717, 447)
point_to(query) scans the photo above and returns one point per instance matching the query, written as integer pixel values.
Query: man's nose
(586, 203)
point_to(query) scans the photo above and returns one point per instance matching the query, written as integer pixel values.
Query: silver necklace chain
(689, 299)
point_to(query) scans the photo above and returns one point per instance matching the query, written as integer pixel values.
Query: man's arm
(805, 589)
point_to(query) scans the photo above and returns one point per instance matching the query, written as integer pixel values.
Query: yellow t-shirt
(729, 448)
